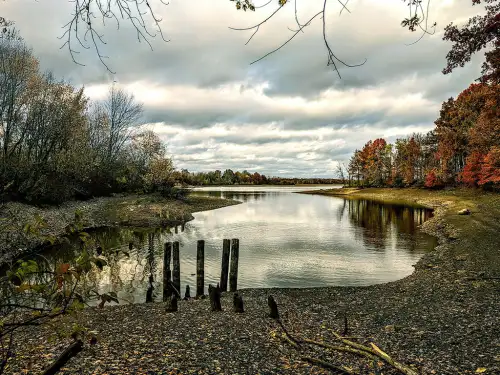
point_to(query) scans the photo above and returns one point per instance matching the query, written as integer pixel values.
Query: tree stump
(273, 306)
(167, 273)
(176, 272)
(233, 271)
(238, 303)
(149, 294)
(214, 293)
(226, 250)
(187, 295)
(172, 304)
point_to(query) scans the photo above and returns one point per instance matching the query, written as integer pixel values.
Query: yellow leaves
(480, 370)
(23, 287)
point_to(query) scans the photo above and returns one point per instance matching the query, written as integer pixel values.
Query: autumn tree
(480, 32)
(490, 169)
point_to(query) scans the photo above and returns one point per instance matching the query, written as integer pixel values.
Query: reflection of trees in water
(379, 222)
(131, 254)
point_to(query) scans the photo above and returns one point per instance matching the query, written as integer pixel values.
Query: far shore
(442, 319)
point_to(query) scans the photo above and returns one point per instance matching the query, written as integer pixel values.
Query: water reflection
(286, 240)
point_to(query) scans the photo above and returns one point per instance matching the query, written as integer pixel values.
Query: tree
(479, 33)
(490, 170)
(340, 171)
(122, 113)
(472, 170)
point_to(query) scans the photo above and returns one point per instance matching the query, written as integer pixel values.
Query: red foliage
(432, 181)
(490, 169)
(472, 170)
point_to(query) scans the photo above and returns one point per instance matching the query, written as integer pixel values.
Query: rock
(390, 328)
(465, 211)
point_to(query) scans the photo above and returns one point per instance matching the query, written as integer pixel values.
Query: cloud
(288, 112)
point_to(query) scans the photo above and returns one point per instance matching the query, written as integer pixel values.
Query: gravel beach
(442, 319)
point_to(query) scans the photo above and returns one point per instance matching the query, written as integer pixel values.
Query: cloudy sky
(287, 115)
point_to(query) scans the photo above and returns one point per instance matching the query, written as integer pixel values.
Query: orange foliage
(490, 169)
(472, 170)
(432, 180)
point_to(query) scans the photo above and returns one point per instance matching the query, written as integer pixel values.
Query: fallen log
(69, 353)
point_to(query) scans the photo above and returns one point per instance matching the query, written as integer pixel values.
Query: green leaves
(246, 5)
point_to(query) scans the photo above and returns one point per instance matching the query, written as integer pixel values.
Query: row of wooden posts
(230, 249)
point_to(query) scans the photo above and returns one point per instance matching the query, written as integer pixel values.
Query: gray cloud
(288, 112)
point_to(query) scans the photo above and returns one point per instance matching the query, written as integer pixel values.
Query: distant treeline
(464, 148)
(229, 177)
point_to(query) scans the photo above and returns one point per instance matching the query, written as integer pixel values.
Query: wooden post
(176, 273)
(167, 274)
(176, 229)
(233, 273)
(226, 248)
(200, 268)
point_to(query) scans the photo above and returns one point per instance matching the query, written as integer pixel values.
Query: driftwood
(238, 303)
(172, 305)
(327, 365)
(214, 293)
(376, 351)
(69, 353)
(372, 352)
(346, 349)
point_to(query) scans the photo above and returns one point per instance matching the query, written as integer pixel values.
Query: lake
(286, 240)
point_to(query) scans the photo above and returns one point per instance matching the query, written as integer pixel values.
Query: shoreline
(141, 211)
(442, 319)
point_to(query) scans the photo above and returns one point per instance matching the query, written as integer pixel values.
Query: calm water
(286, 240)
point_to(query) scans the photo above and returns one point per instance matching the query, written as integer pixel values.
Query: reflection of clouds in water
(286, 240)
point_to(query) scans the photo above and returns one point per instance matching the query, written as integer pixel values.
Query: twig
(379, 353)
(328, 365)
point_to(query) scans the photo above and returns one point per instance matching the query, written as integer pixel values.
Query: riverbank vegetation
(464, 148)
(57, 145)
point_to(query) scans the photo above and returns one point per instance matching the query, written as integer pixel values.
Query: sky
(286, 115)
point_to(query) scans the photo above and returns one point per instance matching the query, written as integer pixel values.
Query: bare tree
(340, 171)
(82, 30)
(122, 113)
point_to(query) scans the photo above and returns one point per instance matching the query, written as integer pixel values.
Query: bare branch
(86, 11)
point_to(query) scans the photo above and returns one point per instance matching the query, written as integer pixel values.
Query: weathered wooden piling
(200, 268)
(233, 272)
(226, 248)
(167, 274)
(176, 273)
(176, 229)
